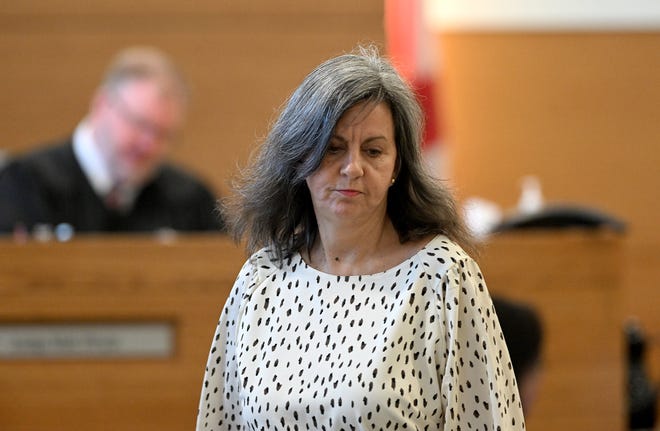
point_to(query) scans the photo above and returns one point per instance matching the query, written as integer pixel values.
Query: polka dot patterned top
(415, 347)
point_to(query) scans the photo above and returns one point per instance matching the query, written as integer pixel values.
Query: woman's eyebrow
(339, 138)
(369, 139)
(375, 138)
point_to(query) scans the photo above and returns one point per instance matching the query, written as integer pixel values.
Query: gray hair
(271, 204)
(144, 62)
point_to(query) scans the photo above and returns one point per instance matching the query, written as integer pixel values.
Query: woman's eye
(373, 152)
(333, 149)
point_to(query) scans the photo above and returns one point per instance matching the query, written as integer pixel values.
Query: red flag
(410, 46)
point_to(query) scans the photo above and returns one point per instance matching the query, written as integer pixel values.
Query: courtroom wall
(243, 58)
(563, 90)
(577, 109)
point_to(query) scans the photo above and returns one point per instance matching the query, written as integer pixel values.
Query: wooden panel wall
(579, 110)
(243, 58)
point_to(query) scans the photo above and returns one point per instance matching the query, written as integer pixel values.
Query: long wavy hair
(271, 204)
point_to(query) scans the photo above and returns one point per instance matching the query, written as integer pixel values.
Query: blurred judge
(111, 175)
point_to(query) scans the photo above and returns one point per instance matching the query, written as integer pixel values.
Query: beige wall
(579, 110)
(243, 58)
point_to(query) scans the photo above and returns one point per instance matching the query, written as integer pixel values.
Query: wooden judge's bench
(112, 333)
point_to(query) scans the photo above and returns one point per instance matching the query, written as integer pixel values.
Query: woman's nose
(352, 166)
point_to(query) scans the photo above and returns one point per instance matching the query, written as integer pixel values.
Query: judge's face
(135, 126)
(351, 183)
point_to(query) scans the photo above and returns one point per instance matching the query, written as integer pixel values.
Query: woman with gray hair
(358, 308)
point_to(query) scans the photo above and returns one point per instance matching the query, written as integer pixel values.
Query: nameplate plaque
(86, 340)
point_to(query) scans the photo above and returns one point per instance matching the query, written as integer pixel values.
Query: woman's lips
(348, 192)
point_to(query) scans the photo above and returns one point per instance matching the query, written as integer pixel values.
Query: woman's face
(351, 183)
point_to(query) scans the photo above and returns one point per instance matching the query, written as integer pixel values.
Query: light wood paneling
(579, 110)
(641, 300)
(574, 281)
(196, 7)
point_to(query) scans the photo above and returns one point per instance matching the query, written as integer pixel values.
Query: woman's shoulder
(261, 261)
(264, 263)
(261, 257)
(445, 261)
(441, 256)
(440, 245)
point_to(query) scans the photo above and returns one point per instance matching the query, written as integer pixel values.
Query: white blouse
(417, 347)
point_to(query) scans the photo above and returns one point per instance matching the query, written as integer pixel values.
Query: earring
(393, 180)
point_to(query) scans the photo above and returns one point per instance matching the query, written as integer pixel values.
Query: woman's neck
(365, 249)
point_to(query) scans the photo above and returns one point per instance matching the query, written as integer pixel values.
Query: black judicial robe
(49, 186)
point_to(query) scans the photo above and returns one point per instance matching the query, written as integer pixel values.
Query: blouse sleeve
(479, 389)
(219, 405)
